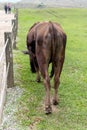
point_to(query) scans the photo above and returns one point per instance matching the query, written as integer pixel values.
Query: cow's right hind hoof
(48, 110)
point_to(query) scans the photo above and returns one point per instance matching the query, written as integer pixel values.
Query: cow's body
(46, 43)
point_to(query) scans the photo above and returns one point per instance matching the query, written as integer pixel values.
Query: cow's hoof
(48, 110)
(38, 80)
(55, 102)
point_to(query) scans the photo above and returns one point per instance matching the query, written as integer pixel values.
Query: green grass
(71, 113)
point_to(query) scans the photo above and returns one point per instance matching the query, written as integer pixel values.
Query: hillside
(48, 3)
(61, 3)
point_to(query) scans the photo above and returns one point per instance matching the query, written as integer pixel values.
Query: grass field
(71, 113)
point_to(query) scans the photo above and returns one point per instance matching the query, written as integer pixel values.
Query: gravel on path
(9, 121)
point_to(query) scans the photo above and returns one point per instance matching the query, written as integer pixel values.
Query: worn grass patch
(71, 113)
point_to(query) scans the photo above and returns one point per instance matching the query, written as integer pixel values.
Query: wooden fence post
(16, 16)
(9, 60)
(14, 33)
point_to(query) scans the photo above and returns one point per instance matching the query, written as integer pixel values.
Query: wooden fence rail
(6, 60)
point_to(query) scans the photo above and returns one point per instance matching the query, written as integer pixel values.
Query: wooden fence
(6, 61)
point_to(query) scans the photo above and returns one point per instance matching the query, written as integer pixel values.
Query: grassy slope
(71, 113)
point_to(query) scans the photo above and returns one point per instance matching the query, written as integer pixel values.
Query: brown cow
(46, 42)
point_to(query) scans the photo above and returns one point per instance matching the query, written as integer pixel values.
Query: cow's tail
(53, 48)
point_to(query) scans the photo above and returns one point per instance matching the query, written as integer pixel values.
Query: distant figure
(9, 8)
(6, 8)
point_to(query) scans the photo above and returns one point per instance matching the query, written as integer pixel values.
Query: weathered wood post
(16, 16)
(9, 60)
(14, 33)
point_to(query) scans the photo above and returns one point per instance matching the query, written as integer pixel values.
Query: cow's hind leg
(46, 80)
(57, 71)
(48, 108)
(38, 78)
(56, 85)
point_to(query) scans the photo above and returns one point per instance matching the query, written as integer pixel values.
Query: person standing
(9, 8)
(6, 8)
